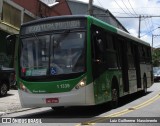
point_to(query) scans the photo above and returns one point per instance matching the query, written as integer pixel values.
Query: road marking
(120, 113)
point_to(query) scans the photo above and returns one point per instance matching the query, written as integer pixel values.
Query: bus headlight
(23, 88)
(81, 84)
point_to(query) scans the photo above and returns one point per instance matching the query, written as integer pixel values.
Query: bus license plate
(52, 100)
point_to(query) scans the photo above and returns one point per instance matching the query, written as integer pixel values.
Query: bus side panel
(149, 75)
(102, 85)
(132, 81)
(90, 100)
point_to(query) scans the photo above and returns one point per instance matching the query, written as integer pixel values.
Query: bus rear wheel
(58, 108)
(144, 85)
(115, 98)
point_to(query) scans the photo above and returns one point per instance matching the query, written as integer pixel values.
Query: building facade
(13, 13)
(81, 8)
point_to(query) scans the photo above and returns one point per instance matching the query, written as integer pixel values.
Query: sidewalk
(10, 103)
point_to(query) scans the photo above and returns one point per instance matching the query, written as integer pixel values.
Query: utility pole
(90, 7)
(139, 29)
(140, 18)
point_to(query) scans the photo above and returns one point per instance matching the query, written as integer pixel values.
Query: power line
(139, 30)
(120, 13)
(150, 31)
(100, 4)
(127, 8)
(153, 37)
(152, 22)
(132, 7)
(142, 16)
(138, 16)
(147, 25)
(120, 7)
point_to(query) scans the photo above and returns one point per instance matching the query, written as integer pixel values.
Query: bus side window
(143, 53)
(130, 55)
(148, 55)
(110, 54)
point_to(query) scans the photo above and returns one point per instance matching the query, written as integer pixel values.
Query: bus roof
(118, 31)
(122, 33)
(97, 21)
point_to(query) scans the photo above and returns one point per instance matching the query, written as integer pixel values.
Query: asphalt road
(132, 108)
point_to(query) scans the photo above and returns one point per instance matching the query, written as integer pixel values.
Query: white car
(156, 74)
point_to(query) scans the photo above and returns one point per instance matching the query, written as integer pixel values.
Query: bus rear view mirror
(11, 40)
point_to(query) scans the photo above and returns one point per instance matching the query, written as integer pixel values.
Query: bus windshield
(53, 54)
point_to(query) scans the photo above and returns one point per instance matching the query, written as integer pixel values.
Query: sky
(148, 9)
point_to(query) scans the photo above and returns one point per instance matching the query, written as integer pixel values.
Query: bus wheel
(3, 89)
(58, 108)
(144, 85)
(115, 97)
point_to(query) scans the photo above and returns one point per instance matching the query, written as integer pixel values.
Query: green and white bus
(79, 61)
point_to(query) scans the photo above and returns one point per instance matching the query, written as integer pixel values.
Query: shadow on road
(130, 98)
(6, 95)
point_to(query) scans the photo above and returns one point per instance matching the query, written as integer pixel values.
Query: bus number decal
(63, 86)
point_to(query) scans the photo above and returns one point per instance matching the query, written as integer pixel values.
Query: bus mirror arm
(11, 38)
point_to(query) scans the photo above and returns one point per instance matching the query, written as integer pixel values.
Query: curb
(19, 110)
(2, 113)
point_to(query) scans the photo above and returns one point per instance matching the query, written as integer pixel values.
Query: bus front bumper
(81, 97)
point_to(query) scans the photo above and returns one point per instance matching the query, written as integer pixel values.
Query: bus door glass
(98, 51)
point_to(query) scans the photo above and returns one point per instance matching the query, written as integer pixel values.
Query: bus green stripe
(102, 24)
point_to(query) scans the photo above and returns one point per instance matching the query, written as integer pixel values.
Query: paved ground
(10, 103)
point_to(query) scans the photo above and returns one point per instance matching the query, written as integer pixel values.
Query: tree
(156, 57)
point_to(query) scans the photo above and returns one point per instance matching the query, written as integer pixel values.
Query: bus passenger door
(98, 64)
(124, 63)
(97, 58)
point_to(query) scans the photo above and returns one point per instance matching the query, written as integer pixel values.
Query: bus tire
(58, 108)
(144, 85)
(114, 94)
(3, 89)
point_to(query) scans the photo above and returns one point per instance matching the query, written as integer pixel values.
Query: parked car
(156, 74)
(12, 81)
(6, 79)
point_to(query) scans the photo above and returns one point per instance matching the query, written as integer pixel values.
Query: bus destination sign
(52, 26)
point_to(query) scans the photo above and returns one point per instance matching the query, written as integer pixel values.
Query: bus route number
(63, 86)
